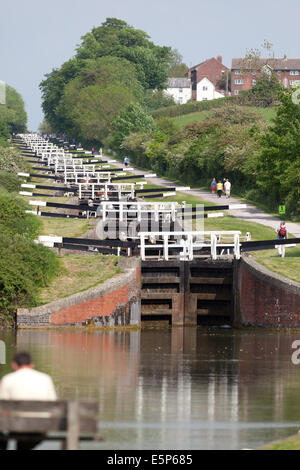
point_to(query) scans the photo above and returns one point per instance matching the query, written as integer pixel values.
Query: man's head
(282, 223)
(22, 360)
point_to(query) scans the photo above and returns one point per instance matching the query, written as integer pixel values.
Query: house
(179, 89)
(213, 70)
(206, 90)
(286, 70)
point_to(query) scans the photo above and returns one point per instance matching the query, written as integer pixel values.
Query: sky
(37, 35)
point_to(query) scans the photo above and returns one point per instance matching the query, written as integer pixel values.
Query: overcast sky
(37, 35)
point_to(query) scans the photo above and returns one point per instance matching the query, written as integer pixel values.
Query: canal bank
(240, 293)
(113, 303)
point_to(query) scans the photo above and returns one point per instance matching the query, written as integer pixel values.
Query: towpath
(251, 213)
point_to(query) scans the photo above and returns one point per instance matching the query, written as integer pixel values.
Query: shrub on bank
(25, 267)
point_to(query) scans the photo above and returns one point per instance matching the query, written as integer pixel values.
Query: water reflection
(191, 388)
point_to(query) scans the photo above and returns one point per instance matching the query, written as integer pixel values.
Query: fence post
(166, 248)
(237, 251)
(73, 424)
(213, 247)
(142, 247)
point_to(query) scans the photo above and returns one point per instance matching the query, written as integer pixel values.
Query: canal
(180, 388)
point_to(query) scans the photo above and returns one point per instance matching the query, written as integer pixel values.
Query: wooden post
(73, 425)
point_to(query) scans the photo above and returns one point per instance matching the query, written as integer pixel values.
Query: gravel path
(251, 213)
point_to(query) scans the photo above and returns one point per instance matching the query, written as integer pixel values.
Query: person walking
(227, 188)
(126, 161)
(219, 188)
(282, 232)
(93, 151)
(25, 383)
(214, 186)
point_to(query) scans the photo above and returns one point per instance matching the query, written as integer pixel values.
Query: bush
(191, 107)
(25, 267)
(10, 182)
(14, 220)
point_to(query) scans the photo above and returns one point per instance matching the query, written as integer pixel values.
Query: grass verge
(79, 273)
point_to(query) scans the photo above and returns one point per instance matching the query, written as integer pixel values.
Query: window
(204, 99)
(205, 88)
(239, 82)
(236, 92)
(294, 82)
(253, 82)
(238, 72)
(294, 72)
(180, 90)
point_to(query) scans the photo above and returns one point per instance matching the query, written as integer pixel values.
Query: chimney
(219, 58)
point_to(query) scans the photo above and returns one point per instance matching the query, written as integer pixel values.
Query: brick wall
(114, 303)
(263, 298)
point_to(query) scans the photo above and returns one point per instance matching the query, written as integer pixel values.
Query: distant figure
(126, 161)
(100, 151)
(93, 151)
(227, 188)
(214, 186)
(220, 188)
(25, 383)
(282, 232)
(224, 181)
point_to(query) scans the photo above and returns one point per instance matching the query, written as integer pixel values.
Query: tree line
(25, 267)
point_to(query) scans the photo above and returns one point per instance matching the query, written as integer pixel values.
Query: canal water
(192, 388)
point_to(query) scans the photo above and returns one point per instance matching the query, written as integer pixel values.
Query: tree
(177, 68)
(156, 99)
(278, 166)
(254, 62)
(265, 92)
(45, 127)
(133, 118)
(13, 112)
(93, 99)
(224, 83)
(114, 39)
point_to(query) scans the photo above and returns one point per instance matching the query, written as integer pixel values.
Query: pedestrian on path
(227, 188)
(282, 232)
(93, 151)
(214, 186)
(220, 188)
(126, 161)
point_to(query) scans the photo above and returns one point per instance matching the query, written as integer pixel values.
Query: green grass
(61, 227)
(267, 114)
(288, 267)
(79, 273)
(189, 118)
(292, 443)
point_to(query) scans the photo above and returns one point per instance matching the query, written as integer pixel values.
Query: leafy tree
(93, 100)
(278, 162)
(13, 112)
(133, 118)
(114, 39)
(4, 131)
(224, 82)
(177, 68)
(45, 127)
(265, 92)
(156, 99)
(117, 39)
(25, 267)
(52, 89)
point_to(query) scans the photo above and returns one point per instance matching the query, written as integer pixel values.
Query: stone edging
(93, 293)
(266, 275)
